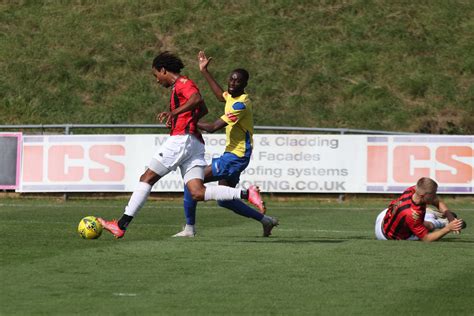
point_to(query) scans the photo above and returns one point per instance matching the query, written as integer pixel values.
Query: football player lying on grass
(408, 218)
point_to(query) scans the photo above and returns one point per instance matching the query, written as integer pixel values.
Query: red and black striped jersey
(186, 122)
(404, 218)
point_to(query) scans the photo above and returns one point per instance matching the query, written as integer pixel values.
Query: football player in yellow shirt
(238, 122)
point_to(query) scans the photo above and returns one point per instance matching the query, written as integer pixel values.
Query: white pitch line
(124, 294)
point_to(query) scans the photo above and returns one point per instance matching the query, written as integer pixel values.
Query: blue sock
(189, 207)
(241, 208)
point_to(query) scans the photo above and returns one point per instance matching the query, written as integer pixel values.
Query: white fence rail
(68, 128)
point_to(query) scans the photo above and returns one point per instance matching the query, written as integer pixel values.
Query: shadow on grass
(457, 240)
(300, 239)
(360, 238)
(295, 241)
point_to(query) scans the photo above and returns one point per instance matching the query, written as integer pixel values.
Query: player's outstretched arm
(454, 226)
(215, 87)
(212, 127)
(443, 208)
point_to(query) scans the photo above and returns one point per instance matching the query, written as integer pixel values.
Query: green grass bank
(390, 65)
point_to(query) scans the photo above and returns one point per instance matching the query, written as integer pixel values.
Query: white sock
(438, 224)
(138, 198)
(430, 217)
(189, 228)
(221, 192)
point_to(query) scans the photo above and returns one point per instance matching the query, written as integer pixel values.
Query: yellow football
(89, 228)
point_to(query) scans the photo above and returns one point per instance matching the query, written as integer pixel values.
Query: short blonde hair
(426, 185)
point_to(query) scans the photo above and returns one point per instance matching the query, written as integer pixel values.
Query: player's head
(237, 82)
(165, 65)
(426, 188)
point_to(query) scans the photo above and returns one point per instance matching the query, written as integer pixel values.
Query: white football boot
(188, 231)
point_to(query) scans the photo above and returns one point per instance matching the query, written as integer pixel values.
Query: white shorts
(378, 224)
(183, 151)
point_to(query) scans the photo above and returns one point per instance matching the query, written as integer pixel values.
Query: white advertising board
(280, 163)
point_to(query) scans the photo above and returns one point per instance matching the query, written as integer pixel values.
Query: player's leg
(232, 195)
(237, 206)
(164, 160)
(190, 205)
(434, 219)
(242, 209)
(432, 222)
(142, 192)
(190, 214)
(201, 193)
(227, 169)
(194, 169)
(219, 192)
(135, 203)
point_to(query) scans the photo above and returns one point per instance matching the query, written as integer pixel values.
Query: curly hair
(168, 61)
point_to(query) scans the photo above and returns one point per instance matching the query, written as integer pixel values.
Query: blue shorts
(228, 167)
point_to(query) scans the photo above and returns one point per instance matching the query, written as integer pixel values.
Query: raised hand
(203, 60)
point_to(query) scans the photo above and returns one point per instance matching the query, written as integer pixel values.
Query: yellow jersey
(239, 130)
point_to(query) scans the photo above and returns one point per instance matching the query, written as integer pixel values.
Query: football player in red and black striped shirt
(183, 149)
(406, 217)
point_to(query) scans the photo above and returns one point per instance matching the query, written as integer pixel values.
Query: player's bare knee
(194, 182)
(149, 177)
(198, 196)
(197, 192)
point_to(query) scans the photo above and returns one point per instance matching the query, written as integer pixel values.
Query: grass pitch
(321, 260)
